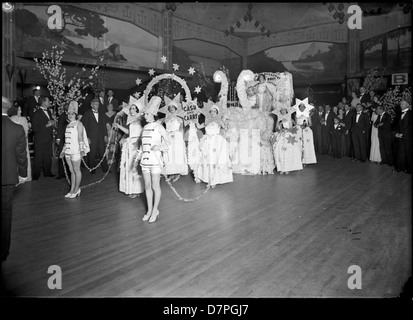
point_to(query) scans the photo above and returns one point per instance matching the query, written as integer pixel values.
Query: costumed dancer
(176, 163)
(287, 148)
(264, 96)
(130, 179)
(232, 136)
(155, 140)
(303, 122)
(75, 148)
(215, 164)
(267, 165)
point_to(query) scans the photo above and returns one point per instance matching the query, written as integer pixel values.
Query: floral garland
(171, 76)
(50, 67)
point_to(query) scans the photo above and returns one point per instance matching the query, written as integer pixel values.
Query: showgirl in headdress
(155, 141)
(176, 163)
(76, 146)
(130, 179)
(215, 165)
(302, 109)
(287, 146)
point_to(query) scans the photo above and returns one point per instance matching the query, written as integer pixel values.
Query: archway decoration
(166, 76)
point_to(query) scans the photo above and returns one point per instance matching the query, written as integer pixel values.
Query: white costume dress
(176, 158)
(307, 142)
(215, 164)
(130, 179)
(287, 148)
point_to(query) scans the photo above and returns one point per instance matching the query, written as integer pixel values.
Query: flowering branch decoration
(372, 81)
(392, 98)
(62, 89)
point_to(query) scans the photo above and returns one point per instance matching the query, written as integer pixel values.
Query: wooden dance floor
(261, 236)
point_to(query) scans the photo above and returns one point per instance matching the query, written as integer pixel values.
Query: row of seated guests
(364, 133)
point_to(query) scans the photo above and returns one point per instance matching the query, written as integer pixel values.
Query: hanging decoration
(248, 19)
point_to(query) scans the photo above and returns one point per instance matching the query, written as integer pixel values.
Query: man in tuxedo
(404, 140)
(60, 141)
(42, 125)
(31, 104)
(327, 123)
(336, 133)
(111, 99)
(95, 124)
(103, 101)
(347, 124)
(359, 131)
(383, 125)
(13, 164)
(316, 117)
(364, 97)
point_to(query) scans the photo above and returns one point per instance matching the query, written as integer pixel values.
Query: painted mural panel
(307, 62)
(372, 52)
(399, 47)
(87, 34)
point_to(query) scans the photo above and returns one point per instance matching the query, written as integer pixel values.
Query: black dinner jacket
(30, 107)
(362, 125)
(348, 120)
(405, 126)
(96, 131)
(42, 134)
(13, 152)
(386, 127)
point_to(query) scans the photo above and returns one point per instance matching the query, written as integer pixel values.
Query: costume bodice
(135, 130)
(71, 138)
(212, 128)
(173, 124)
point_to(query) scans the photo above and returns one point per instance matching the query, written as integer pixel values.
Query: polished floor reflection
(262, 236)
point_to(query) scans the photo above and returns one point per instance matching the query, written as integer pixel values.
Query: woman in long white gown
(287, 146)
(267, 163)
(303, 122)
(130, 179)
(375, 155)
(176, 163)
(16, 116)
(215, 164)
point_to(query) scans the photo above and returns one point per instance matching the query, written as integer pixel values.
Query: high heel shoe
(154, 217)
(146, 217)
(74, 195)
(68, 195)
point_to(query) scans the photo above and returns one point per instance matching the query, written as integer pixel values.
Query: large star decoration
(197, 89)
(291, 140)
(207, 108)
(294, 130)
(191, 70)
(163, 59)
(177, 103)
(308, 107)
(151, 72)
(138, 81)
(175, 67)
(190, 111)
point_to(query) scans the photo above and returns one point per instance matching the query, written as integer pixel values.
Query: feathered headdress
(153, 106)
(73, 107)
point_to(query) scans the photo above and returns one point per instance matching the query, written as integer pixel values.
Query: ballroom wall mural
(88, 34)
(308, 62)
